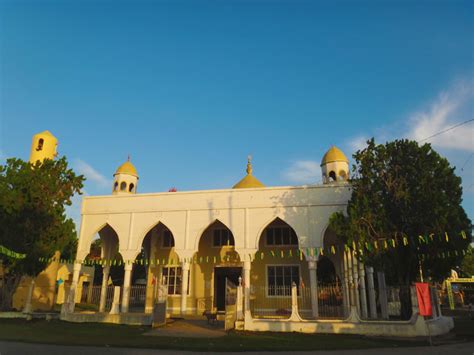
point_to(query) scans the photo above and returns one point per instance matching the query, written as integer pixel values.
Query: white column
(103, 289)
(126, 287)
(347, 296)
(247, 266)
(184, 286)
(371, 286)
(362, 290)
(313, 283)
(72, 292)
(351, 282)
(355, 263)
(29, 297)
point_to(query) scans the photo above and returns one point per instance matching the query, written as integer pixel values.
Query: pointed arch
(278, 220)
(149, 228)
(210, 225)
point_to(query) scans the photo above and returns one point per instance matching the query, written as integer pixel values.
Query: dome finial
(249, 164)
(128, 158)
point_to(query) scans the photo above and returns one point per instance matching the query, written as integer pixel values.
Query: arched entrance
(278, 264)
(216, 263)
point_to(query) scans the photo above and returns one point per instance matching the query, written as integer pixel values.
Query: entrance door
(220, 275)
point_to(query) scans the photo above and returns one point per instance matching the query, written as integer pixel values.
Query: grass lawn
(57, 332)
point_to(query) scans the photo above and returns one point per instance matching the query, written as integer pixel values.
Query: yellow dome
(127, 168)
(332, 155)
(249, 180)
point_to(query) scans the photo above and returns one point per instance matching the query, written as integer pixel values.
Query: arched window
(131, 187)
(123, 186)
(40, 144)
(342, 175)
(332, 176)
(116, 186)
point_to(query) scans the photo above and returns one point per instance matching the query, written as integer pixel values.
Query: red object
(424, 299)
(173, 189)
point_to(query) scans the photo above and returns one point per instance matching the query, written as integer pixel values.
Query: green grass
(64, 333)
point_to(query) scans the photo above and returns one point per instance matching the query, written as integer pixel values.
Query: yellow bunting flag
(333, 250)
(405, 241)
(463, 235)
(321, 251)
(446, 236)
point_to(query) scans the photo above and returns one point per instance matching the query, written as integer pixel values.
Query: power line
(446, 130)
(469, 158)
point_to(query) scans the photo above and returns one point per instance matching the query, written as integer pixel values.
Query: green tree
(403, 190)
(32, 216)
(467, 265)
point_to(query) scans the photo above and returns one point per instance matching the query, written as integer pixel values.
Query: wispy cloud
(303, 172)
(447, 110)
(92, 175)
(357, 143)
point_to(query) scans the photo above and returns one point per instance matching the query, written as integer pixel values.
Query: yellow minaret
(43, 147)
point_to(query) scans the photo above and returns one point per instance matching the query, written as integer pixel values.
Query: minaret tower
(125, 179)
(43, 146)
(335, 166)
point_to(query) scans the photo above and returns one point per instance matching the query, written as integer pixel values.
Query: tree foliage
(401, 189)
(32, 215)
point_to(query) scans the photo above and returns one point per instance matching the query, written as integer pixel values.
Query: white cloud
(303, 172)
(444, 112)
(357, 143)
(91, 174)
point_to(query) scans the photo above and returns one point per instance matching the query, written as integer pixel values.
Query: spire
(249, 165)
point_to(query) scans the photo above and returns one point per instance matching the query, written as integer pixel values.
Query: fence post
(362, 290)
(370, 282)
(239, 301)
(382, 294)
(294, 300)
(29, 297)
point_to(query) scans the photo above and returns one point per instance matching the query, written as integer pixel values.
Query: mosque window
(173, 279)
(280, 278)
(131, 187)
(115, 186)
(281, 236)
(332, 176)
(222, 237)
(123, 186)
(342, 175)
(168, 240)
(40, 144)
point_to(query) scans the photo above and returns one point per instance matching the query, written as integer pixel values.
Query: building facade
(249, 231)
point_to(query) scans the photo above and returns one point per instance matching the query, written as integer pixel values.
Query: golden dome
(249, 180)
(127, 168)
(332, 155)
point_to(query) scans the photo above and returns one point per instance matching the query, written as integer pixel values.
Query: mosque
(199, 245)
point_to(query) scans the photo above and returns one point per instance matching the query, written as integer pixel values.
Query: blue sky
(189, 89)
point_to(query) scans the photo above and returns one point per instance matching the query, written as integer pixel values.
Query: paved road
(11, 348)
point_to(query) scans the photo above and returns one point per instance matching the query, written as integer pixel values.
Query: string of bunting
(361, 248)
(10, 253)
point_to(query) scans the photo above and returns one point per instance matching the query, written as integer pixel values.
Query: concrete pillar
(29, 297)
(127, 278)
(184, 286)
(71, 299)
(294, 300)
(103, 289)
(347, 297)
(371, 286)
(247, 267)
(355, 263)
(382, 294)
(313, 282)
(239, 301)
(362, 291)
(351, 281)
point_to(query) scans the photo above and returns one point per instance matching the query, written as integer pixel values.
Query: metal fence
(330, 302)
(270, 302)
(137, 298)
